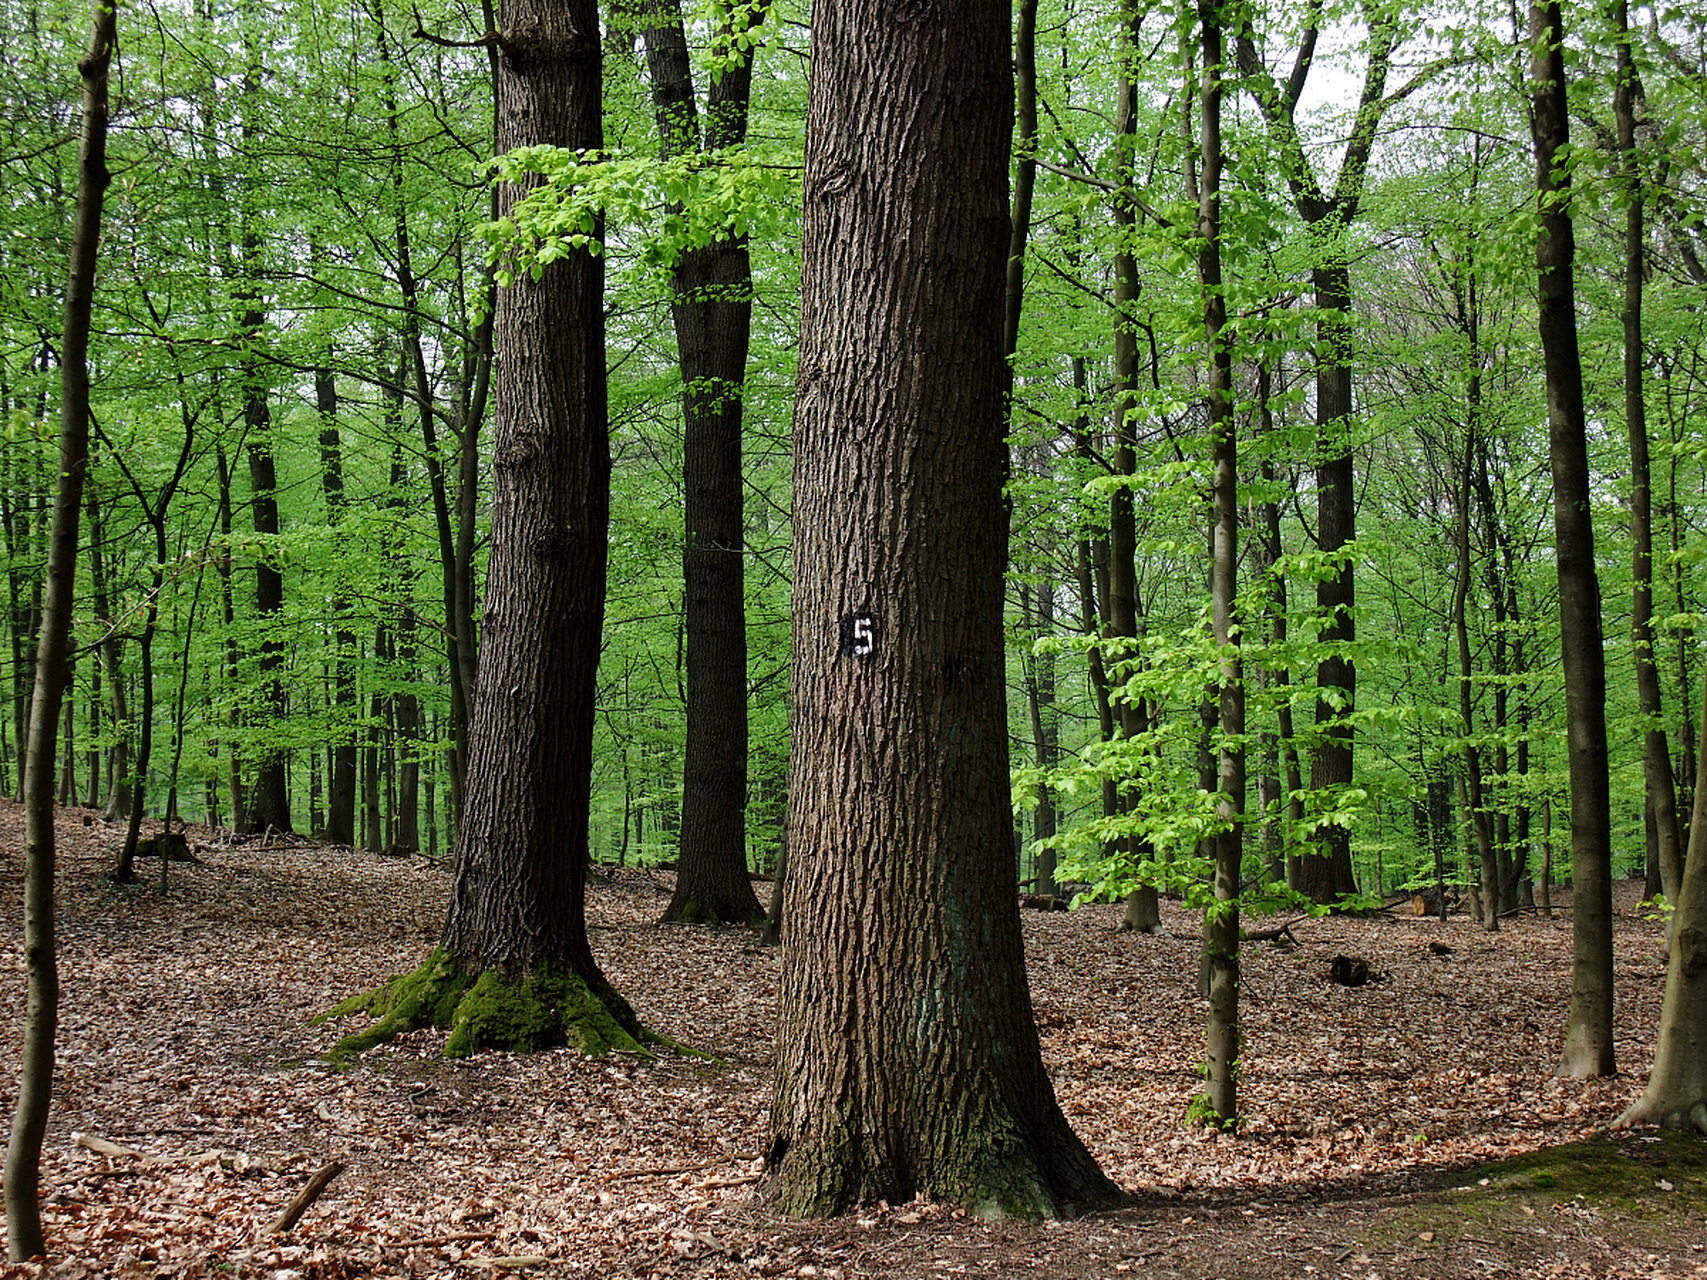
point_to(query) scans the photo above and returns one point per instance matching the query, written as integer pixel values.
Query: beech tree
(908, 1055)
(1588, 1036)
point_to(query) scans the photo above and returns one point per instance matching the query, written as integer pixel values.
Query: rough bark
(1588, 1049)
(908, 1057)
(41, 1017)
(517, 919)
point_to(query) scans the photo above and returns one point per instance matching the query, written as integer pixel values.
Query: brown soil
(185, 1039)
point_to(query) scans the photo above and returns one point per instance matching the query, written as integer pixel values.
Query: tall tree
(711, 303)
(1660, 791)
(515, 968)
(1588, 1035)
(1329, 213)
(1221, 920)
(908, 1056)
(41, 1017)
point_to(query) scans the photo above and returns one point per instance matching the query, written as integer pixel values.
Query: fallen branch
(101, 1147)
(299, 1206)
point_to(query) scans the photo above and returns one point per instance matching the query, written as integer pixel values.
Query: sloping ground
(185, 1040)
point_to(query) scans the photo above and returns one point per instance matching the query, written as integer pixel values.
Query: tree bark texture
(1588, 1047)
(41, 1018)
(908, 1056)
(518, 897)
(711, 306)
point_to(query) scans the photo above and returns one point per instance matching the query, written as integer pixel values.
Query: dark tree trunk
(341, 770)
(228, 620)
(920, 1073)
(1330, 213)
(1588, 1047)
(270, 804)
(517, 914)
(1221, 918)
(1143, 906)
(41, 1018)
(1327, 876)
(712, 304)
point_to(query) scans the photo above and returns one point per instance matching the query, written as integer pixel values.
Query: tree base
(1685, 1117)
(545, 1010)
(996, 1183)
(715, 909)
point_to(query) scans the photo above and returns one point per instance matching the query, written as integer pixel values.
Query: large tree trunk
(517, 911)
(41, 1018)
(908, 1057)
(712, 306)
(1588, 1035)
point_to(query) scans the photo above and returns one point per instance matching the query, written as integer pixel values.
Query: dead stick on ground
(299, 1206)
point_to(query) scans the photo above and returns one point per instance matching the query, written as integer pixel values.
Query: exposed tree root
(1687, 1116)
(544, 1010)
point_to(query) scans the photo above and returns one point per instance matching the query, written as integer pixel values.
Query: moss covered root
(544, 1010)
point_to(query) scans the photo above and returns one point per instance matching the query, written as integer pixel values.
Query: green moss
(545, 1010)
(1645, 1187)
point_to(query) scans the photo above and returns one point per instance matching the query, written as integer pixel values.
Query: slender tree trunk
(1221, 918)
(24, 1237)
(341, 766)
(1588, 1049)
(1143, 906)
(1660, 795)
(228, 620)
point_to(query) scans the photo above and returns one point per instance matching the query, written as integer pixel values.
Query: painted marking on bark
(859, 635)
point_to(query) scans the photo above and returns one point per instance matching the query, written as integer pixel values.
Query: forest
(1186, 462)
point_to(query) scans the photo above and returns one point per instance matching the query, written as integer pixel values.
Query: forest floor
(1374, 1113)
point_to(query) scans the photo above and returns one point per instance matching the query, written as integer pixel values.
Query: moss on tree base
(545, 1010)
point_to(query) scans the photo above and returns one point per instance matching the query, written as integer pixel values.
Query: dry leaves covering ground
(184, 1039)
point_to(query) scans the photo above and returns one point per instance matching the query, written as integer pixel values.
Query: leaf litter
(192, 1101)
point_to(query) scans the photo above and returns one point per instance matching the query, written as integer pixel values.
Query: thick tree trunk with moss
(1588, 1035)
(908, 1057)
(515, 968)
